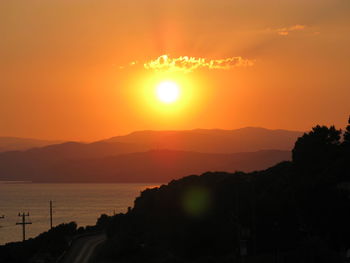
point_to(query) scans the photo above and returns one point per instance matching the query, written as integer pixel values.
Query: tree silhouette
(347, 134)
(316, 149)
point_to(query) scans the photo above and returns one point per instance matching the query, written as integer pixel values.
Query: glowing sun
(168, 92)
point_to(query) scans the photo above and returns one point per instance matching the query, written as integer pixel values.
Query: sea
(81, 203)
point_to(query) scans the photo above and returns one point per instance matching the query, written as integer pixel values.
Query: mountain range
(247, 139)
(21, 144)
(150, 156)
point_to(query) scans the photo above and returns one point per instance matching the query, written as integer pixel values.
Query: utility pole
(50, 214)
(253, 196)
(238, 227)
(23, 223)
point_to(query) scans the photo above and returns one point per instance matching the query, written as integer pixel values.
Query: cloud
(133, 63)
(285, 31)
(188, 64)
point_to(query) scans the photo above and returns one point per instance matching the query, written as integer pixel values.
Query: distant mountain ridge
(151, 166)
(77, 150)
(198, 140)
(21, 144)
(150, 156)
(213, 141)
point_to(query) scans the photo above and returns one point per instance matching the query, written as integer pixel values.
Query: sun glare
(168, 92)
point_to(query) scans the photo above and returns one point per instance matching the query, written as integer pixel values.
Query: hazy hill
(20, 144)
(151, 166)
(199, 140)
(214, 141)
(76, 150)
(140, 156)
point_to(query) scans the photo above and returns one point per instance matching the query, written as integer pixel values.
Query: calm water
(82, 203)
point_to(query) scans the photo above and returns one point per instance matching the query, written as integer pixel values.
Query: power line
(23, 223)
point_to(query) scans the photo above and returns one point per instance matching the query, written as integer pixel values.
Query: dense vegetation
(49, 246)
(296, 211)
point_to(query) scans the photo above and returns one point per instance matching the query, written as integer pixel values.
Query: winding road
(82, 249)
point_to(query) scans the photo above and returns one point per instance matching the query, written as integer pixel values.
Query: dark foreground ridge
(54, 245)
(297, 211)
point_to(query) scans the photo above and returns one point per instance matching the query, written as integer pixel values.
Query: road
(82, 249)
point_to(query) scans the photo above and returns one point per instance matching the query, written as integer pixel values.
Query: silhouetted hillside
(151, 166)
(50, 246)
(214, 141)
(297, 211)
(21, 144)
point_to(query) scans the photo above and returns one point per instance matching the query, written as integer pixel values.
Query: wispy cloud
(188, 64)
(285, 31)
(133, 63)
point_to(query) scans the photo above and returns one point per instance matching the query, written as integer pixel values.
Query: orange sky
(65, 69)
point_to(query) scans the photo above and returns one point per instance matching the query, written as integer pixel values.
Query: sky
(88, 69)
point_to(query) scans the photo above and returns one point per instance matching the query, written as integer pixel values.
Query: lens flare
(197, 201)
